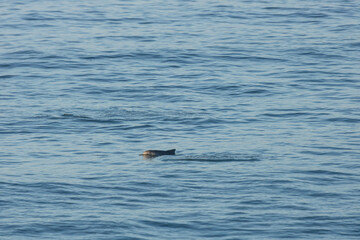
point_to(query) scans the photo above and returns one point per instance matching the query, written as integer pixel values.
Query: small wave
(322, 153)
(354, 44)
(167, 224)
(233, 57)
(216, 157)
(347, 120)
(6, 76)
(256, 91)
(24, 52)
(84, 118)
(293, 114)
(325, 172)
(309, 15)
(116, 115)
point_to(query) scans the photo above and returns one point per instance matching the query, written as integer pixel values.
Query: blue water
(261, 99)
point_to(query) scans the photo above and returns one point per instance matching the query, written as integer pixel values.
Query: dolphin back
(158, 152)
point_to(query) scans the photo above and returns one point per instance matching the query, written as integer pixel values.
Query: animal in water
(155, 153)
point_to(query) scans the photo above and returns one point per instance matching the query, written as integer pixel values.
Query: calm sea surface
(261, 99)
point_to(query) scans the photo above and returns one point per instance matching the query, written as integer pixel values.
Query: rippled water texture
(260, 99)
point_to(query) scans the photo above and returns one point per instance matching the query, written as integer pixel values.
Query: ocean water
(261, 99)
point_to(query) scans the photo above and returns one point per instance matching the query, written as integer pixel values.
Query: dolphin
(155, 153)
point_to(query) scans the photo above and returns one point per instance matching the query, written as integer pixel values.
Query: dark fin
(171, 152)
